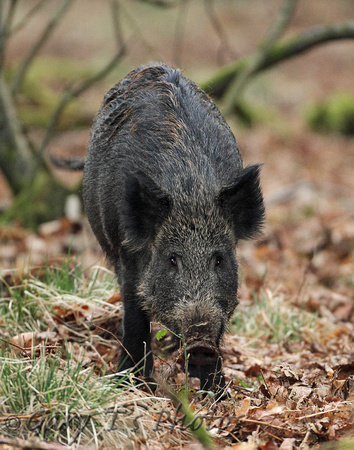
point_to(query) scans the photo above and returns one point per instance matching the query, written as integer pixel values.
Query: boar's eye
(218, 259)
(173, 260)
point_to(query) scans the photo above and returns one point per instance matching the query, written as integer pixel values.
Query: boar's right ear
(145, 208)
(242, 203)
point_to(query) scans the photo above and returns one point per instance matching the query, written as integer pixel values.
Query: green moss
(334, 115)
(248, 114)
(43, 201)
(37, 115)
(42, 89)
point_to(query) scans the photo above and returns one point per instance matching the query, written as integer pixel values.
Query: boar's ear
(144, 209)
(242, 203)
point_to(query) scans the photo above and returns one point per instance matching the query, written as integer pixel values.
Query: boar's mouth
(201, 354)
(205, 363)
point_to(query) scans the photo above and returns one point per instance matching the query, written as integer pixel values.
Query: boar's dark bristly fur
(168, 199)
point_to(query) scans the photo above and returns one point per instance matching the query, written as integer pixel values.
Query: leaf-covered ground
(288, 356)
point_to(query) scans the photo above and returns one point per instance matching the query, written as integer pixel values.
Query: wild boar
(168, 199)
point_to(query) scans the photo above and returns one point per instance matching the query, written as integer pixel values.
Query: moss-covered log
(218, 84)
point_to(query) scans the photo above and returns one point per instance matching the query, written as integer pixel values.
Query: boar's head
(190, 280)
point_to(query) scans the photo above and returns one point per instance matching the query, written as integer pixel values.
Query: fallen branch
(256, 60)
(218, 84)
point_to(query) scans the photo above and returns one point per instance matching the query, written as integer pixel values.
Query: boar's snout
(202, 325)
(203, 328)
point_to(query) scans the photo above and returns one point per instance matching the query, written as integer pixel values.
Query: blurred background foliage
(57, 59)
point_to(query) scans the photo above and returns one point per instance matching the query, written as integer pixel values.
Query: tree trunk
(38, 197)
(16, 160)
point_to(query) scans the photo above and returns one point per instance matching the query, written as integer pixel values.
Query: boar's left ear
(242, 203)
(145, 207)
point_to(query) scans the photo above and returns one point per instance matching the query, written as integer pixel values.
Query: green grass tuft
(272, 318)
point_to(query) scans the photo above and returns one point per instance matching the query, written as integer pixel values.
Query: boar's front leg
(136, 346)
(144, 210)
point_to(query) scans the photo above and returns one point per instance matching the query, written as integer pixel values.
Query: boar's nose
(201, 354)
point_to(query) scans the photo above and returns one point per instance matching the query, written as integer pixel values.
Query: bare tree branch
(10, 15)
(27, 17)
(225, 47)
(80, 88)
(237, 86)
(281, 51)
(64, 5)
(5, 25)
(161, 3)
(179, 31)
(117, 26)
(150, 49)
